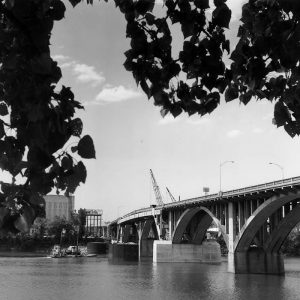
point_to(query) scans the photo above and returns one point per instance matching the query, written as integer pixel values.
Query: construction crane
(171, 196)
(156, 190)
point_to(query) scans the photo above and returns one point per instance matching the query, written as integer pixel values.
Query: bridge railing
(250, 189)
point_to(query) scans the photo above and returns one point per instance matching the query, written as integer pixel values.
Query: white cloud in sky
(66, 64)
(60, 57)
(257, 130)
(111, 94)
(87, 74)
(83, 72)
(233, 133)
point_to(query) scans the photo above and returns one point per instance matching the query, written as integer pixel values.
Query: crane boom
(156, 190)
(171, 196)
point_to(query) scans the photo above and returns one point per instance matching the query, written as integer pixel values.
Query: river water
(91, 278)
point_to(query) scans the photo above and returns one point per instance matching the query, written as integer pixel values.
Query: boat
(71, 251)
(56, 252)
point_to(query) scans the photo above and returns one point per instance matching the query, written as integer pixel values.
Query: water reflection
(97, 278)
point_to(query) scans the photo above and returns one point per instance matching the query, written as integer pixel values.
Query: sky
(131, 137)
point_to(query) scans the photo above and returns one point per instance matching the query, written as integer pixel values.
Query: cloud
(233, 133)
(83, 72)
(168, 119)
(257, 130)
(66, 64)
(60, 57)
(87, 74)
(110, 94)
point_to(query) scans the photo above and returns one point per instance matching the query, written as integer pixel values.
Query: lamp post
(279, 166)
(220, 173)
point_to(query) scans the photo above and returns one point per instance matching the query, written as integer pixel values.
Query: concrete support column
(145, 243)
(170, 225)
(118, 233)
(287, 208)
(231, 236)
(241, 215)
(226, 218)
(126, 233)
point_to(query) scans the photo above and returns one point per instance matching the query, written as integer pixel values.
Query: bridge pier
(207, 252)
(255, 261)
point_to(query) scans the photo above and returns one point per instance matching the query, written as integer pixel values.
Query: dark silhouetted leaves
(74, 2)
(86, 148)
(25, 220)
(222, 15)
(3, 109)
(231, 93)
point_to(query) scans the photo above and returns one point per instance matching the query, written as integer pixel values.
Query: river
(91, 278)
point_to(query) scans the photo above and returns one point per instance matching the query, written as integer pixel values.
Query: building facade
(59, 206)
(93, 222)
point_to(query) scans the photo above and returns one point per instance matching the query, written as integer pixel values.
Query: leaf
(231, 93)
(175, 110)
(3, 213)
(164, 112)
(245, 98)
(37, 199)
(187, 29)
(74, 149)
(42, 64)
(213, 100)
(226, 46)
(146, 88)
(150, 18)
(281, 114)
(222, 16)
(2, 131)
(86, 147)
(67, 163)
(160, 98)
(3, 109)
(74, 2)
(203, 4)
(76, 127)
(57, 11)
(144, 6)
(25, 220)
(81, 172)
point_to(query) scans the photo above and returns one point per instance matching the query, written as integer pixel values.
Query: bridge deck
(266, 190)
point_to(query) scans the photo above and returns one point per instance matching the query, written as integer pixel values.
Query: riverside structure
(254, 222)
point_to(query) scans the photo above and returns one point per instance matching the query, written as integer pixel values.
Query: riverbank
(22, 254)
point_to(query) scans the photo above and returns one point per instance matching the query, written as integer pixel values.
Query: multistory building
(59, 206)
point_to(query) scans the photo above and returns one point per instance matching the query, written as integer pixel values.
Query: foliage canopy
(37, 119)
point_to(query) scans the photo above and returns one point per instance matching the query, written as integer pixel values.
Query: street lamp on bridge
(220, 173)
(279, 166)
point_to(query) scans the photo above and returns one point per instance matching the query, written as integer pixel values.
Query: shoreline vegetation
(26, 246)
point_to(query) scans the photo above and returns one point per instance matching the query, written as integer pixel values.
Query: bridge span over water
(254, 222)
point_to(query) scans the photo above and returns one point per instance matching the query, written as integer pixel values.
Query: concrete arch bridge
(254, 222)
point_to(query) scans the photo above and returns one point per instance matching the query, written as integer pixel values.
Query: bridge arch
(148, 225)
(206, 217)
(257, 219)
(285, 226)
